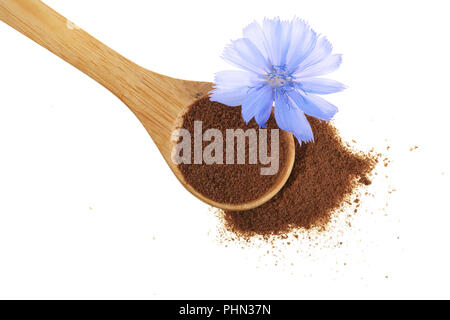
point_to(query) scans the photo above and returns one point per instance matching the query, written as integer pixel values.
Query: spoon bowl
(158, 101)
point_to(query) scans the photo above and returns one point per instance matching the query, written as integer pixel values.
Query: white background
(89, 209)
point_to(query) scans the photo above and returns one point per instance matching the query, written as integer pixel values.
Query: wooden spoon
(157, 100)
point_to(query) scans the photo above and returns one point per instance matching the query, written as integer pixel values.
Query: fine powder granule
(325, 173)
(229, 183)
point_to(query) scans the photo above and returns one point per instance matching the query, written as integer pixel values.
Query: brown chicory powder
(325, 173)
(229, 183)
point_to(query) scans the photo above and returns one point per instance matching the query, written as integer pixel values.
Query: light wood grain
(157, 100)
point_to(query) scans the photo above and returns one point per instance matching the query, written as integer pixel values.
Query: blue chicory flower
(280, 63)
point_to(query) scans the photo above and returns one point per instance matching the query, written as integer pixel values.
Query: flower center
(280, 79)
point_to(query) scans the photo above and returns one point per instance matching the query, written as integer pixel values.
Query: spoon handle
(51, 30)
(156, 100)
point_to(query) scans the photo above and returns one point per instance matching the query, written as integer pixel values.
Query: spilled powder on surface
(326, 176)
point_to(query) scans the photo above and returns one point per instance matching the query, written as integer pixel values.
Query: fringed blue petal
(236, 78)
(278, 35)
(256, 101)
(271, 28)
(321, 51)
(243, 54)
(302, 41)
(231, 86)
(285, 42)
(230, 97)
(313, 105)
(262, 117)
(319, 85)
(255, 34)
(290, 118)
(327, 65)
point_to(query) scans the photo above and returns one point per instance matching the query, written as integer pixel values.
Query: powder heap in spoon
(230, 183)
